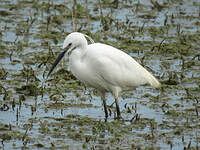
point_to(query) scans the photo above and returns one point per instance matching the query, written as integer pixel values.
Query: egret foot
(118, 117)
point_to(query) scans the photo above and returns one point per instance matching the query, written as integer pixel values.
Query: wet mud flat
(59, 113)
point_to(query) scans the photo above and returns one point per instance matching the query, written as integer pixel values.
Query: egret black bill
(57, 60)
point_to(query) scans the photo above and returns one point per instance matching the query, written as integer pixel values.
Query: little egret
(104, 67)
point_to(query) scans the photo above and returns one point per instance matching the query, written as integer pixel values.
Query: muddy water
(61, 114)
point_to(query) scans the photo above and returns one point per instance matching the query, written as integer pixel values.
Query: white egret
(104, 67)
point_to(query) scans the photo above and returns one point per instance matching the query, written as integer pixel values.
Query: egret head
(74, 40)
(71, 42)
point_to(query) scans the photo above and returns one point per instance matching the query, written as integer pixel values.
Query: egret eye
(70, 44)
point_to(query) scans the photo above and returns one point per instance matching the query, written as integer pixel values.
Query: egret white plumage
(104, 67)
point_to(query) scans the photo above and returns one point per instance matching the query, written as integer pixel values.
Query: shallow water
(61, 114)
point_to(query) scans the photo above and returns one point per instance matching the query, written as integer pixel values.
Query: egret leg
(104, 104)
(117, 107)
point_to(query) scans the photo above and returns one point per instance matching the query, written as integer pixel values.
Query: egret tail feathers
(152, 80)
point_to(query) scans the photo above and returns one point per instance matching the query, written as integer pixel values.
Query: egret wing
(116, 67)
